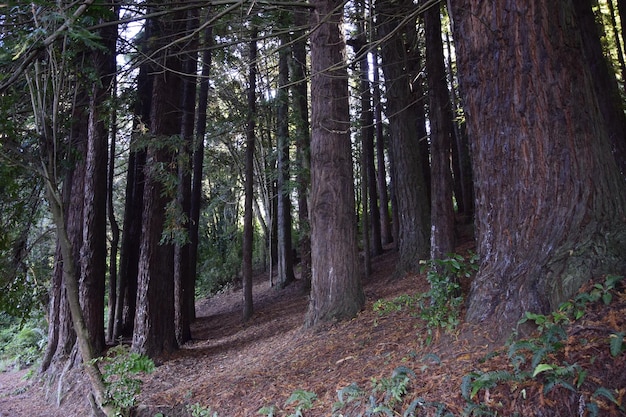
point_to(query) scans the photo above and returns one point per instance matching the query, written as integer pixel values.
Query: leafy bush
(120, 369)
(21, 345)
(440, 306)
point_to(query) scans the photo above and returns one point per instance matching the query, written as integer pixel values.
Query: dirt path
(234, 369)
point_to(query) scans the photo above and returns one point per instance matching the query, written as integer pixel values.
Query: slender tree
(550, 200)
(248, 234)
(336, 291)
(302, 140)
(285, 251)
(183, 282)
(381, 167)
(198, 163)
(442, 236)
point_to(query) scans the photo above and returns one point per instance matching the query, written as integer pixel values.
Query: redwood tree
(154, 333)
(336, 290)
(405, 110)
(550, 200)
(440, 117)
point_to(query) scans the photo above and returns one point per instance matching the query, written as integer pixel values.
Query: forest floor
(235, 369)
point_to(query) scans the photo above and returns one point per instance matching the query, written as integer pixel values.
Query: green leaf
(605, 393)
(617, 339)
(542, 367)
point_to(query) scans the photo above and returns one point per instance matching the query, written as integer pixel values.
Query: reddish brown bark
(550, 201)
(336, 291)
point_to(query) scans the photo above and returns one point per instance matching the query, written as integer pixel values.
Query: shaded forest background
(158, 152)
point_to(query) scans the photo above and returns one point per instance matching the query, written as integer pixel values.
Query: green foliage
(120, 370)
(617, 344)
(197, 410)
(440, 306)
(21, 344)
(353, 400)
(300, 400)
(536, 358)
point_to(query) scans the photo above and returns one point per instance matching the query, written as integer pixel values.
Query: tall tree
(133, 202)
(285, 253)
(370, 197)
(440, 117)
(405, 110)
(183, 282)
(198, 163)
(154, 333)
(336, 290)
(302, 140)
(248, 232)
(550, 200)
(386, 233)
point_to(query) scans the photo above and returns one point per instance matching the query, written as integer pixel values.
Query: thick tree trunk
(336, 291)
(442, 240)
(405, 110)
(248, 232)
(550, 201)
(93, 251)
(154, 333)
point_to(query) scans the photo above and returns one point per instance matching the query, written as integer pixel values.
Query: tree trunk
(183, 282)
(550, 201)
(302, 139)
(370, 195)
(285, 250)
(61, 339)
(604, 81)
(442, 240)
(386, 233)
(154, 333)
(248, 232)
(401, 66)
(198, 162)
(93, 252)
(113, 224)
(131, 237)
(70, 280)
(336, 291)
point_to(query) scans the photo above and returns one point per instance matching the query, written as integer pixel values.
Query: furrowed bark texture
(336, 291)
(549, 196)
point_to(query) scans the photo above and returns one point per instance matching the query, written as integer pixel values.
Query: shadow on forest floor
(237, 368)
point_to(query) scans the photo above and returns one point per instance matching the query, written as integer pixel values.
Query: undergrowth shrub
(538, 361)
(21, 344)
(121, 369)
(440, 306)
